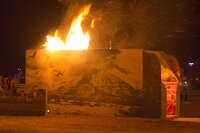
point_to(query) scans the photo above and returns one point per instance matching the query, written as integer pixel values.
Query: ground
(88, 124)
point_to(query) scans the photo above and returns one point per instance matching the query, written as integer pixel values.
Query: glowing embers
(170, 81)
(171, 98)
(167, 75)
(76, 39)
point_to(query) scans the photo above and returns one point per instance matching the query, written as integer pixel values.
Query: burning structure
(130, 82)
(120, 82)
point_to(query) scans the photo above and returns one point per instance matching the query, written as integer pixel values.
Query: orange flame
(75, 40)
(92, 23)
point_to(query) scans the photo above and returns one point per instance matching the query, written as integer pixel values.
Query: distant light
(15, 75)
(197, 79)
(191, 64)
(48, 110)
(185, 83)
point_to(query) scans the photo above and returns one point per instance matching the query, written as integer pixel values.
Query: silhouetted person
(13, 85)
(5, 83)
(1, 85)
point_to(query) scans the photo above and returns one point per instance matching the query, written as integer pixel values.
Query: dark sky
(172, 26)
(24, 24)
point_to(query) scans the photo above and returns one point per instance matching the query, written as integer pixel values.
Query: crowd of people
(8, 84)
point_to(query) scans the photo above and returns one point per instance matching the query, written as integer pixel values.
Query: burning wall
(100, 82)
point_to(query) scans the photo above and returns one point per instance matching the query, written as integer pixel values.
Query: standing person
(9, 80)
(5, 83)
(1, 85)
(12, 85)
(1, 81)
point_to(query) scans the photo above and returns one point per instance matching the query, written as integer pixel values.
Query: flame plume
(76, 39)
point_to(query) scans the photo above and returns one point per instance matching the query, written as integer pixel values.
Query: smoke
(109, 18)
(127, 23)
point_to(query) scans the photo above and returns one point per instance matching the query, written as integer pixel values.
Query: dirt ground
(89, 124)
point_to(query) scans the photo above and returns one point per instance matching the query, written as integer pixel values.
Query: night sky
(24, 24)
(172, 26)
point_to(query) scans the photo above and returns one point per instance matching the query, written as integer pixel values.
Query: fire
(76, 39)
(92, 23)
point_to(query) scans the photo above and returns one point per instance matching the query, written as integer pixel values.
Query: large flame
(76, 38)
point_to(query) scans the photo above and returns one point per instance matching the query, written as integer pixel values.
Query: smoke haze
(155, 24)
